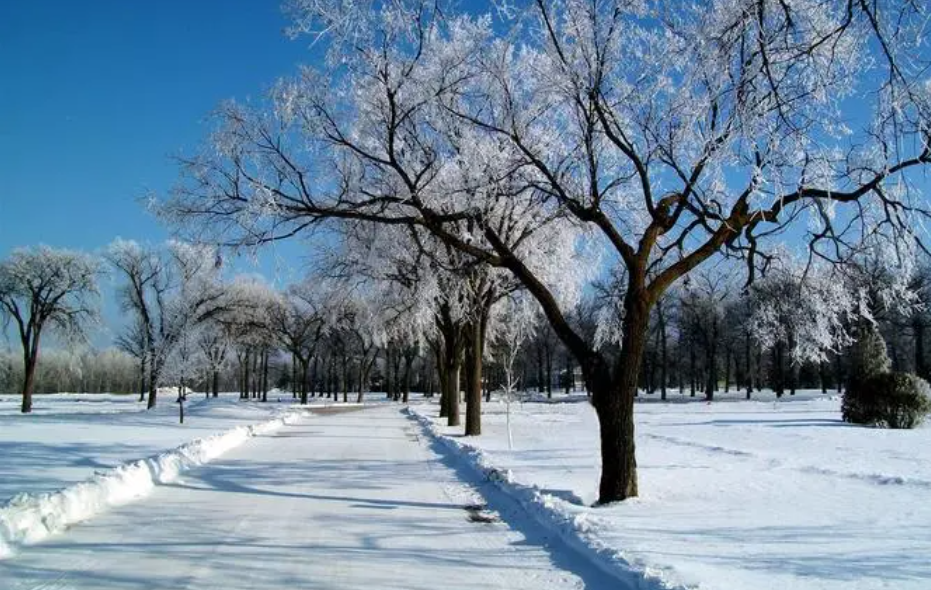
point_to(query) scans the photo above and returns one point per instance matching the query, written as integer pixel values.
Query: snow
(346, 500)
(29, 518)
(70, 436)
(734, 494)
(766, 494)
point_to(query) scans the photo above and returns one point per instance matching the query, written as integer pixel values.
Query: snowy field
(735, 495)
(69, 437)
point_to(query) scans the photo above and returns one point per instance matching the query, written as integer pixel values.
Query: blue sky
(96, 96)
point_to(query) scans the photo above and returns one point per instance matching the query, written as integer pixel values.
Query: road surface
(349, 500)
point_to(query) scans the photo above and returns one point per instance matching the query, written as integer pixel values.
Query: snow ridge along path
(561, 517)
(29, 518)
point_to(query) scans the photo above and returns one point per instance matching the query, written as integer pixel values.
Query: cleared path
(350, 500)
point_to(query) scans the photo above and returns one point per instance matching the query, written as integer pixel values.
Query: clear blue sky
(96, 96)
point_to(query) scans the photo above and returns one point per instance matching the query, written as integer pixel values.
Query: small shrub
(891, 400)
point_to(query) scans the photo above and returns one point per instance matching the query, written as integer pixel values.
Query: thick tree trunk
(614, 404)
(153, 390)
(451, 358)
(30, 358)
(473, 425)
(452, 393)
(215, 389)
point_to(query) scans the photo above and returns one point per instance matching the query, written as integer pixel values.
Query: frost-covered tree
(672, 131)
(214, 344)
(247, 323)
(170, 292)
(299, 320)
(45, 288)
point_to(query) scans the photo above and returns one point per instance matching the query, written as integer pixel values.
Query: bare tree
(47, 288)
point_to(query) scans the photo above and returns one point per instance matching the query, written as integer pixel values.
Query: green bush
(891, 400)
(868, 354)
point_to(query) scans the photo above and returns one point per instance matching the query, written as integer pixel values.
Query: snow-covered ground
(763, 494)
(348, 500)
(68, 437)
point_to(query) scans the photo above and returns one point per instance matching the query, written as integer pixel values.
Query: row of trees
(59, 370)
(546, 142)
(465, 168)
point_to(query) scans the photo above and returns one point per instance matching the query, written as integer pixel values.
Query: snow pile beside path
(29, 518)
(574, 523)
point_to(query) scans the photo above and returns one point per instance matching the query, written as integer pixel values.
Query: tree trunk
(663, 352)
(778, 370)
(727, 369)
(443, 375)
(389, 384)
(304, 364)
(142, 364)
(570, 376)
(265, 375)
(30, 358)
(248, 374)
(344, 380)
(614, 404)
(154, 370)
(691, 368)
(452, 393)
(216, 383)
(473, 425)
(712, 363)
(409, 357)
(748, 359)
(540, 386)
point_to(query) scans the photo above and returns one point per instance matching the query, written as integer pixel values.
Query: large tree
(46, 288)
(671, 131)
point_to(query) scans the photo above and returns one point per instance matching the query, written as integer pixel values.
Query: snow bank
(29, 518)
(573, 523)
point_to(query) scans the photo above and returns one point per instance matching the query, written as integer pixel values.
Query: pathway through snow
(352, 500)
